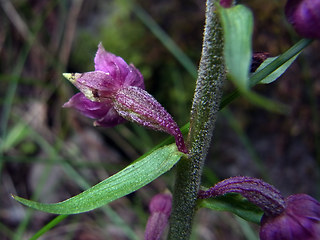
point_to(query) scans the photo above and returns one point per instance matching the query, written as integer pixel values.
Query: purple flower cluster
(114, 92)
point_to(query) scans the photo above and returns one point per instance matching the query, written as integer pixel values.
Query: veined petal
(112, 64)
(86, 107)
(104, 113)
(111, 119)
(300, 220)
(125, 75)
(134, 78)
(97, 86)
(304, 205)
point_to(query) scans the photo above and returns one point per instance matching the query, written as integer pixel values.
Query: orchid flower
(114, 92)
(294, 218)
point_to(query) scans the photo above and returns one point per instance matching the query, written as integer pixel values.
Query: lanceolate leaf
(237, 23)
(236, 204)
(278, 72)
(130, 179)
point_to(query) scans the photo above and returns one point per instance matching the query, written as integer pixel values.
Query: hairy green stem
(206, 102)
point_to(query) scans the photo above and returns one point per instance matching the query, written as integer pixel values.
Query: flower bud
(226, 3)
(304, 15)
(160, 209)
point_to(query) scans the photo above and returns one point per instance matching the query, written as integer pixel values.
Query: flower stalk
(206, 102)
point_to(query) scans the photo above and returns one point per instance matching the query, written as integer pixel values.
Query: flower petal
(125, 75)
(300, 220)
(134, 78)
(304, 205)
(104, 112)
(97, 86)
(86, 107)
(112, 64)
(111, 119)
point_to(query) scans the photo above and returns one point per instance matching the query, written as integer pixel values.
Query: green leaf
(257, 76)
(277, 72)
(236, 204)
(237, 24)
(266, 103)
(17, 134)
(128, 180)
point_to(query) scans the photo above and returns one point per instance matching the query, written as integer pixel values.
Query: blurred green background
(49, 154)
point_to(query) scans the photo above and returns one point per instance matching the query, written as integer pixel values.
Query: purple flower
(98, 87)
(294, 218)
(304, 15)
(226, 3)
(114, 92)
(160, 209)
(299, 220)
